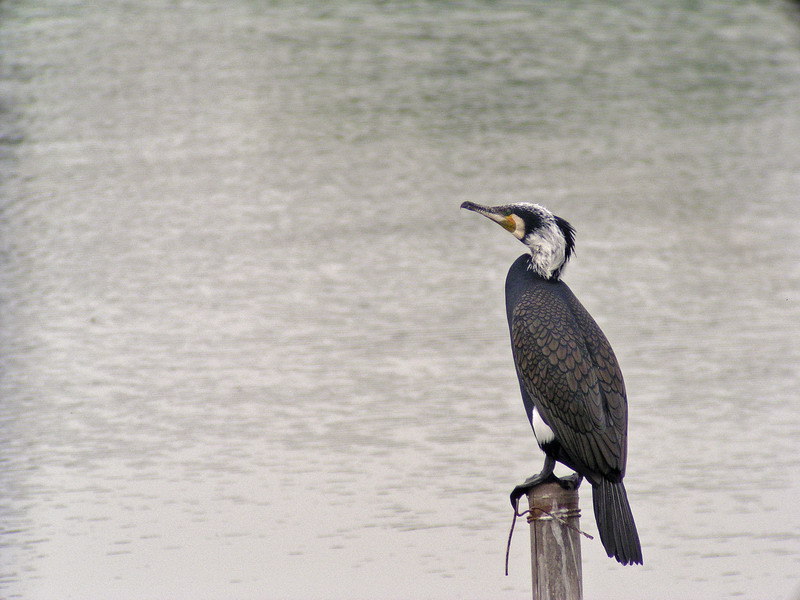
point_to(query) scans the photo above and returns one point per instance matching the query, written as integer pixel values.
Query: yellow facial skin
(509, 223)
(515, 225)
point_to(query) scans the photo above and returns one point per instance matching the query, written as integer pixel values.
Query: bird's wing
(609, 374)
(567, 367)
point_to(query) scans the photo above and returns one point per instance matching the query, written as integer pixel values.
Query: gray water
(252, 349)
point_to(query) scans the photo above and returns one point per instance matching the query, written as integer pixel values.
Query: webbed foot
(544, 476)
(570, 482)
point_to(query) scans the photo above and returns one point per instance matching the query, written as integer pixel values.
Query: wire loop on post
(560, 515)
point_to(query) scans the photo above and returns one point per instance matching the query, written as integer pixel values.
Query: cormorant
(571, 383)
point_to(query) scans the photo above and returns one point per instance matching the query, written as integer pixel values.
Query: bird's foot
(523, 488)
(570, 482)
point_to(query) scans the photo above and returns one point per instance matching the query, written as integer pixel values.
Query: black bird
(571, 383)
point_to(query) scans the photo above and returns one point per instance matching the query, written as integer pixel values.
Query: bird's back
(568, 370)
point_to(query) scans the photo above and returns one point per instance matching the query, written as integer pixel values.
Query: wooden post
(555, 543)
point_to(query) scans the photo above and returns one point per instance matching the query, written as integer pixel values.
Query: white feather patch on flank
(541, 429)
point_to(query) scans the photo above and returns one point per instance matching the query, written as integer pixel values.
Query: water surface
(252, 349)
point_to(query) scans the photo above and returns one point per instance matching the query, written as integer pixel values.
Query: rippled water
(251, 349)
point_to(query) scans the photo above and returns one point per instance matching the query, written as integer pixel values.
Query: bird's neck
(547, 256)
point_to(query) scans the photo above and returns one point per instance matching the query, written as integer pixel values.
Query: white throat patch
(519, 232)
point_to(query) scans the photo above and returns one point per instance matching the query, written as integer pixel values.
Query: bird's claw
(526, 486)
(571, 482)
(516, 494)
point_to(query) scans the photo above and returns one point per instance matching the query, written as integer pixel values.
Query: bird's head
(550, 239)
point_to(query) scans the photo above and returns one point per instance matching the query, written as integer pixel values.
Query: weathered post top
(555, 543)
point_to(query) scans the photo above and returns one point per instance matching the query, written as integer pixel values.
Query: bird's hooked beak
(500, 215)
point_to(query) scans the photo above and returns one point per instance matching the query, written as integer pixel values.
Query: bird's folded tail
(615, 522)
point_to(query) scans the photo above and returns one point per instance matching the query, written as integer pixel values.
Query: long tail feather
(615, 522)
